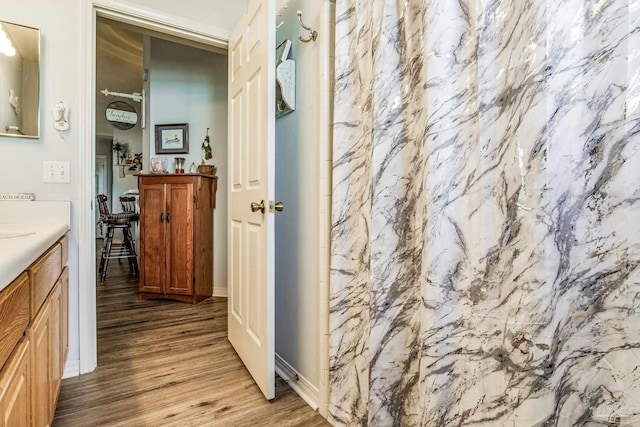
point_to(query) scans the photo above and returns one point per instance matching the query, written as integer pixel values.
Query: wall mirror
(19, 81)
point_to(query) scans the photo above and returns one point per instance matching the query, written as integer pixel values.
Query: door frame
(140, 17)
(118, 10)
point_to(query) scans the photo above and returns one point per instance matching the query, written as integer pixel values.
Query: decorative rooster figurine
(206, 147)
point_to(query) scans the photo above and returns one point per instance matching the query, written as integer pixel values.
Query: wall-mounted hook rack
(280, 9)
(313, 34)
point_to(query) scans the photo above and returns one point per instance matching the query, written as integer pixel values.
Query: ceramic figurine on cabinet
(206, 147)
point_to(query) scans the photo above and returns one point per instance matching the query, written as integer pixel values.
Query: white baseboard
(307, 391)
(71, 369)
(220, 292)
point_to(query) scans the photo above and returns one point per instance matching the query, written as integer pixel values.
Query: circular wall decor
(121, 115)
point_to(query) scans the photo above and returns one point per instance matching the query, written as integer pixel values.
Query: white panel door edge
(251, 293)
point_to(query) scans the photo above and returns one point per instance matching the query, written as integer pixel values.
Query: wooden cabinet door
(40, 338)
(180, 238)
(15, 398)
(64, 327)
(152, 238)
(55, 341)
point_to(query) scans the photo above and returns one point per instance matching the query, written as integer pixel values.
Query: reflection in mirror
(19, 81)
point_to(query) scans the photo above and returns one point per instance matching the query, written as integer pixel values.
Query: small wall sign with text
(121, 115)
(17, 196)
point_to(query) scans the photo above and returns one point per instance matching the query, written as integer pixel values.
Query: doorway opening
(88, 328)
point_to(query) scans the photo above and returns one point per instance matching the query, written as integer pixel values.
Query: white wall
(188, 85)
(60, 23)
(299, 136)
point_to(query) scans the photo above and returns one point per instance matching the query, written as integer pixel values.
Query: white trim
(158, 21)
(87, 336)
(219, 291)
(146, 18)
(326, 52)
(71, 369)
(305, 389)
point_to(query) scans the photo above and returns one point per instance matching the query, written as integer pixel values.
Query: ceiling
(24, 39)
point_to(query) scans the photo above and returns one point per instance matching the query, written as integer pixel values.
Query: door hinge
(195, 200)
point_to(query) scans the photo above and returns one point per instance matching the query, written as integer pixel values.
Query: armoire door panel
(152, 241)
(180, 225)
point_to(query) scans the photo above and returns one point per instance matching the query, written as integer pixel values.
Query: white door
(251, 176)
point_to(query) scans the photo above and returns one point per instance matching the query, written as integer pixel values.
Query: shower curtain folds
(486, 196)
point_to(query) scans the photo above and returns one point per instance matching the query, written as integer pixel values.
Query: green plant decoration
(206, 147)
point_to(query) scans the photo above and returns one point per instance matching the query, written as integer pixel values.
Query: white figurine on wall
(60, 114)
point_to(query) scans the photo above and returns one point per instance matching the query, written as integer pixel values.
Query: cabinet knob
(162, 217)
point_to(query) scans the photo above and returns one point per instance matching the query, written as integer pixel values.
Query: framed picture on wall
(172, 139)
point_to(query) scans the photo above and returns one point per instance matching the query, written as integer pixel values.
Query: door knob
(275, 206)
(255, 207)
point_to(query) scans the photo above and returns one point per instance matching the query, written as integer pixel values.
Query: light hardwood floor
(166, 363)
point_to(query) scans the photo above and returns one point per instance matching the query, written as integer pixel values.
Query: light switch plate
(56, 172)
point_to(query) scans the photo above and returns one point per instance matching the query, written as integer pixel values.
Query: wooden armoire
(176, 236)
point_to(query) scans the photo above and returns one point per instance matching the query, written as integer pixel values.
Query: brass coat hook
(313, 34)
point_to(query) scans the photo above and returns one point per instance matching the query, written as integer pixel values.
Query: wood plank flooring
(165, 363)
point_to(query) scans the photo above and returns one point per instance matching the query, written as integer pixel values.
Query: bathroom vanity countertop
(33, 235)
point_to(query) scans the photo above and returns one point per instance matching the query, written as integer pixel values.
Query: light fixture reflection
(6, 47)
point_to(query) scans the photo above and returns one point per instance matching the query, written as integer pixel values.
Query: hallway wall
(189, 85)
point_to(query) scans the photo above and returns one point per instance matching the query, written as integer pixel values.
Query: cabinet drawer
(64, 246)
(14, 315)
(43, 275)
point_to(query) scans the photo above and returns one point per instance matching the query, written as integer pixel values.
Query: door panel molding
(251, 319)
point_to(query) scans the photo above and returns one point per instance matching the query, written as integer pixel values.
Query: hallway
(166, 363)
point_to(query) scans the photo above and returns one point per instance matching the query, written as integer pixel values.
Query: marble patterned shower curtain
(486, 213)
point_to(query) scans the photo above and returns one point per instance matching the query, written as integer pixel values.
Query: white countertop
(45, 222)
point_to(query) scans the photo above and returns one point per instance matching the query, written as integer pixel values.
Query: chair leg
(131, 250)
(102, 254)
(107, 253)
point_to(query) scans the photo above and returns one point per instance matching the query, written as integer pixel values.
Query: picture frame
(172, 139)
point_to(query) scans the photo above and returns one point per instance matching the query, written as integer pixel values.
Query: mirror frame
(4, 132)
